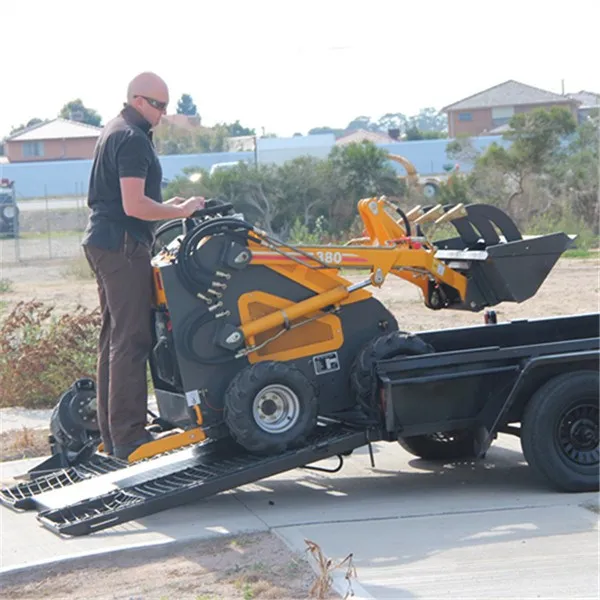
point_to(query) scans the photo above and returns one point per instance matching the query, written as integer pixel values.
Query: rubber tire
(238, 407)
(430, 448)
(539, 426)
(396, 343)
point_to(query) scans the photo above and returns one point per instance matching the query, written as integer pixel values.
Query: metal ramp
(106, 492)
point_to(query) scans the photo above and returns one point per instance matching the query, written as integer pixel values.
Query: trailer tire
(270, 407)
(559, 431)
(396, 343)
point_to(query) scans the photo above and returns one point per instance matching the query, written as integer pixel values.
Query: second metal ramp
(138, 490)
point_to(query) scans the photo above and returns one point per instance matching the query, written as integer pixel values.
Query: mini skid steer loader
(256, 340)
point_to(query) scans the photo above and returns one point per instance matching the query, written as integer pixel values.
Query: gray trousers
(124, 280)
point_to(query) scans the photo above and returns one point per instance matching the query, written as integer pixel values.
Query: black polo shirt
(124, 149)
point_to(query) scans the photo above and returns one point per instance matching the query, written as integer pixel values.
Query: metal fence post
(48, 222)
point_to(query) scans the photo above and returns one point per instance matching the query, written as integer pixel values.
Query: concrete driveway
(415, 529)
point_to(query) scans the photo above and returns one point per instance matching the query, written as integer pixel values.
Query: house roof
(362, 134)
(587, 99)
(509, 93)
(57, 129)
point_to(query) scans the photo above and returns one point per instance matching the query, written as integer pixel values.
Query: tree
(362, 122)
(392, 121)
(535, 147)
(359, 170)
(186, 106)
(75, 110)
(30, 123)
(236, 130)
(429, 119)
(323, 130)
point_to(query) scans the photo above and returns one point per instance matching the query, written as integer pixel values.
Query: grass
(581, 253)
(78, 269)
(6, 285)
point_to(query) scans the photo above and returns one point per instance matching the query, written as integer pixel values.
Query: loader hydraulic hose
(406, 221)
(192, 275)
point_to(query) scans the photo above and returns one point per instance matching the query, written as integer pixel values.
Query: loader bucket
(500, 264)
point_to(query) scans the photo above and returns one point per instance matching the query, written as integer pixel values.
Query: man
(125, 197)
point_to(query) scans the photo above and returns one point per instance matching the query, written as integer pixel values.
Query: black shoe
(125, 450)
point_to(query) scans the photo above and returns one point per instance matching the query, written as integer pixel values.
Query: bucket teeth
(431, 215)
(456, 212)
(414, 213)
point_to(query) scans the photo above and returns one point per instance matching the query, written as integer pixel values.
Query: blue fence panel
(71, 177)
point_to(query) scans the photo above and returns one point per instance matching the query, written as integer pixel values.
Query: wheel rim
(578, 435)
(429, 190)
(276, 408)
(9, 212)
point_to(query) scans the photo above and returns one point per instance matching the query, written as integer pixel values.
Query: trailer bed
(105, 492)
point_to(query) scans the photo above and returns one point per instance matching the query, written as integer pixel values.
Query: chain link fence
(48, 228)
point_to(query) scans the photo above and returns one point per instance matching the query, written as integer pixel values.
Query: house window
(465, 116)
(31, 149)
(501, 115)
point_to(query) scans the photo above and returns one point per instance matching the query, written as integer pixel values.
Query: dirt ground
(246, 567)
(571, 288)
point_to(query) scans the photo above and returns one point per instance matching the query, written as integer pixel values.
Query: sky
(288, 65)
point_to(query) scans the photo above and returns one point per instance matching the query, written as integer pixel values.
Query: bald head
(147, 84)
(149, 94)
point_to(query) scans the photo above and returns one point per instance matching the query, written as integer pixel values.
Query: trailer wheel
(559, 432)
(270, 407)
(397, 343)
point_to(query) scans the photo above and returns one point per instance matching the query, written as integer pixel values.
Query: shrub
(42, 354)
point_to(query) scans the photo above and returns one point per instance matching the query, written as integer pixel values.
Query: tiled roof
(56, 129)
(509, 93)
(362, 134)
(587, 99)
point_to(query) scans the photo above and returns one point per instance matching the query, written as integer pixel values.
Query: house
(488, 112)
(360, 135)
(59, 139)
(589, 102)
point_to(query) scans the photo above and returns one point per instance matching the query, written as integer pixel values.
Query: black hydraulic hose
(189, 271)
(406, 221)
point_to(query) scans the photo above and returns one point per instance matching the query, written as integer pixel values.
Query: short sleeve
(132, 158)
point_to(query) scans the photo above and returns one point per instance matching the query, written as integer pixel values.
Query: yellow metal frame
(383, 249)
(285, 308)
(167, 443)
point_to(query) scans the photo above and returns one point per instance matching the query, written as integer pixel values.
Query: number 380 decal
(330, 258)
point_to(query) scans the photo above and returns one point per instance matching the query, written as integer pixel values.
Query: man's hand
(176, 201)
(191, 205)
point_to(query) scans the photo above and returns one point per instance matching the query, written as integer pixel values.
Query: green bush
(565, 223)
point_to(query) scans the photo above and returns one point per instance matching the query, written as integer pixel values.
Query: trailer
(536, 379)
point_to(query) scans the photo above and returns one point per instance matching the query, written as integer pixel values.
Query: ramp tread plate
(20, 496)
(192, 483)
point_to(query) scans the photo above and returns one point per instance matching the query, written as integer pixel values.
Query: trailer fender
(535, 373)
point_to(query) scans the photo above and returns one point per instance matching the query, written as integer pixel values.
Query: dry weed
(41, 354)
(24, 443)
(324, 581)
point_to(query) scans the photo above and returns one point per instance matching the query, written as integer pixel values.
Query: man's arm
(137, 204)
(132, 163)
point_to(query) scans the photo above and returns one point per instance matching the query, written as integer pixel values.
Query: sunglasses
(154, 103)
